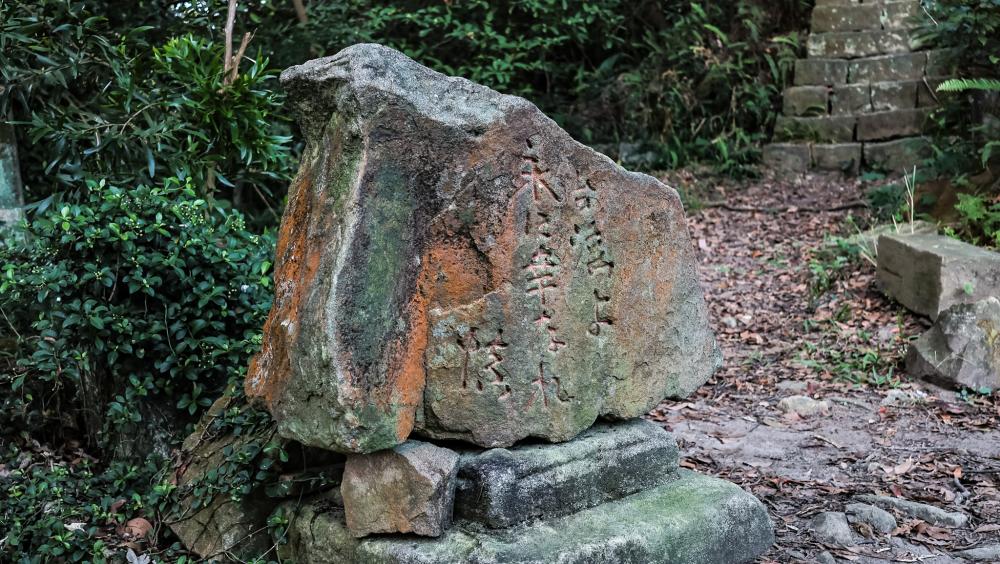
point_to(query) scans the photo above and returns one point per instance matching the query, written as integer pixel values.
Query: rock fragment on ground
(407, 489)
(880, 520)
(989, 553)
(962, 349)
(933, 515)
(930, 273)
(903, 398)
(451, 261)
(804, 406)
(832, 528)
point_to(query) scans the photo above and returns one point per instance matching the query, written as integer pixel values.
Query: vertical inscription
(589, 241)
(486, 361)
(541, 272)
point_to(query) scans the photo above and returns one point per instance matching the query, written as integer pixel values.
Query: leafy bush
(93, 101)
(979, 220)
(132, 296)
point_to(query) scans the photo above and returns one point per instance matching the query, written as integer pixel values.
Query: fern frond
(963, 84)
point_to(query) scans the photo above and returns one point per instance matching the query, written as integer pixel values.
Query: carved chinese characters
(452, 264)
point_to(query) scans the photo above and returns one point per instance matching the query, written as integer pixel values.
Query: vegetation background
(155, 170)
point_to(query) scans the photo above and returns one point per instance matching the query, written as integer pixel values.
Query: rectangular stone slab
(692, 520)
(501, 487)
(930, 273)
(453, 263)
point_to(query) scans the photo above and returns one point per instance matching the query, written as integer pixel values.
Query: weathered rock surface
(962, 348)
(930, 273)
(609, 461)
(933, 515)
(880, 520)
(452, 262)
(804, 406)
(408, 489)
(223, 524)
(692, 520)
(832, 528)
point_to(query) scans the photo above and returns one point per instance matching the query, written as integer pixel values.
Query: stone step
(900, 66)
(897, 155)
(503, 487)
(930, 273)
(846, 17)
(806, 101)
(890, 156)
(850, 99)
(855, 44)
(899, 15)
(694, 519)
(820, 72)
(825, 129)
(889, 125)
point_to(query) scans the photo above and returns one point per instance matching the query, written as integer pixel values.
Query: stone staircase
(863, 96)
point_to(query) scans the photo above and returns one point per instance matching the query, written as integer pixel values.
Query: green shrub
(132, 296)
(95, 101)
(979, 220)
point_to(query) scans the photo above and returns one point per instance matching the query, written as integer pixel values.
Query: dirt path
(832, 336)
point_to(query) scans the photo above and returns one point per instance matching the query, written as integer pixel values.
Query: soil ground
(827, 332)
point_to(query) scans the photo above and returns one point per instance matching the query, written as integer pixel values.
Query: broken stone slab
(897, 155)
(831, 527)
(880, 520)
(804, 406)
(452, 262)
(406, 489)
(933, 515)
(930, 273)
(962, 348)
(820, 72)
(788, 157)
(501, 487)
(692, 520)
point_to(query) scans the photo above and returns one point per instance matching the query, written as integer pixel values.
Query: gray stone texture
(902, 15)
(897, 95)
(692, 520)
(826, 129)
(788, 157)
(901, 66)
(850, 99)
(820, 72)
(897, 155)
(857, 44)
(933, 515)
(501, 487)
(854, 17)
(930, 273)
(843, 157)
(806, 101)
(962, 348)
(11, 198)
(452, 263)
(831, 527)
(888, 125)
(407, 489)
(880, 520)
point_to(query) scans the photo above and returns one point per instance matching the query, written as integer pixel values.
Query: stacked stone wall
(863, 96)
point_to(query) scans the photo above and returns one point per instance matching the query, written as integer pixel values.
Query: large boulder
(451, 262)
(962, 348)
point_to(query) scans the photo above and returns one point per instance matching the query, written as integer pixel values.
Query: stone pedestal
(615, 494)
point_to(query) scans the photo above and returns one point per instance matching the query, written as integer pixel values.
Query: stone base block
(693, 520)
(843, 157)
(827, 129)
(503, 487)
(896, 156)
(788, 157)
(930, 273)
